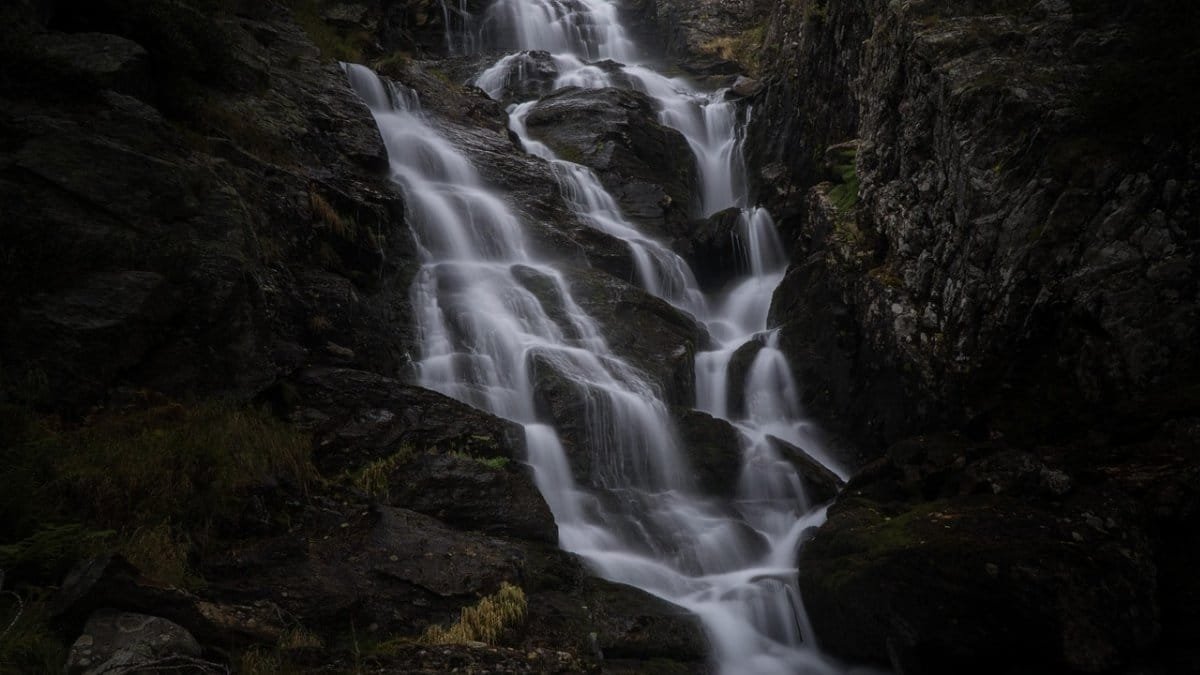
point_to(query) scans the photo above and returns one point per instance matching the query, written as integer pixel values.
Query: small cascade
(588, 29)
(459, 24)
(660, 270)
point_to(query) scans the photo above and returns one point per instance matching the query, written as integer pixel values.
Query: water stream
(488, 339)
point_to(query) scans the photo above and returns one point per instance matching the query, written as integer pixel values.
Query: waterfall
(487, 339)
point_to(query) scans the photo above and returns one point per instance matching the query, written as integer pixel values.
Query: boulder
(115, 641)
(1028, 575)
(358, 417)
(570, 608)
(649, 333)
(745, 87)
(712, 249)
(648, 167)
(520, 77)
(820, 484)
(395, 568)
(110, 583)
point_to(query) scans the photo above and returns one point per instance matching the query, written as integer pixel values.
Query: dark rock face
(711, 250)
(468, 492)
(359, 416)
(713, 448)
(166, 231)
(648, 167)
(1064, 556)
(970, 270)
(979, 247)
(707, 37)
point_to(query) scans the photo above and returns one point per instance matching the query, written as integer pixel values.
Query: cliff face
(1014, 248)
(993, 208)
(197, 204)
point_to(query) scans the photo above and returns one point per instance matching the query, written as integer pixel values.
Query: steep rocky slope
(992, 207)
(994, 212)
(199, 219)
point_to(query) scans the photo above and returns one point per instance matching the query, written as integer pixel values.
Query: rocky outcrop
(1064, 556)
(644, 330)
(648, 167)
(358, 417)
(979, 247)
(709, 37)
(201, 207)
(993, 277)
(195, 211)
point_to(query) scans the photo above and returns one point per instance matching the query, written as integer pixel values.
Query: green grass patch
(148, 483)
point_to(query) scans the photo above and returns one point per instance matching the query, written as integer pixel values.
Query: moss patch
(333, 43)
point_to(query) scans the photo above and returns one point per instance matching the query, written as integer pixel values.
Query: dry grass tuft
(484, 622)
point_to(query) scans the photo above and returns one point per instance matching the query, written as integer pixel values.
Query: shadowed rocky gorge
(732, 337)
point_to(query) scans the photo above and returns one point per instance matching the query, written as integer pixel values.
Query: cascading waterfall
(487, 339)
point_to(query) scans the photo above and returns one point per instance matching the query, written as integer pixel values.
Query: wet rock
(115, 641)
(636, 625)
(649, 333)
(820, 484)
(569, 608)
(713, 448)
(525, 76)
(745, 87)
(477, 126)
(648, 167)
(738, 372)
(712, 250)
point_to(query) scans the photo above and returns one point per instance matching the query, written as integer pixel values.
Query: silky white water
(488, 340)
